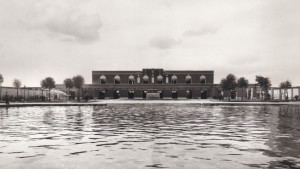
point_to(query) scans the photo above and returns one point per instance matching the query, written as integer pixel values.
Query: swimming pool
(150, 136)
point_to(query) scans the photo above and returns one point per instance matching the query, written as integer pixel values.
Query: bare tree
(17, 84)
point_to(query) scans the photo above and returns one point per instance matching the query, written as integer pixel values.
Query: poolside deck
(126, 101)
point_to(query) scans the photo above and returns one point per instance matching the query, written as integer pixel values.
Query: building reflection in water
(284, 136)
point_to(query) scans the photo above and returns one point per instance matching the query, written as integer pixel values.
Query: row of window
(146, 80)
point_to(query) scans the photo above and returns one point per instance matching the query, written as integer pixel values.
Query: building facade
(153, 83)
(161, 84)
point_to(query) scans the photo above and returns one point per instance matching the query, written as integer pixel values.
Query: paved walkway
(12, 104)
(126, 101)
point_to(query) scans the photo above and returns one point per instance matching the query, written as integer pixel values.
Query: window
(117, 79)
(188, 79)
(202, 79)
(174, 79)
(131, 79)
(102, 79)
(159, 79)
(145, 79)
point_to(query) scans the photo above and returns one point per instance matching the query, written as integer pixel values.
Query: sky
(64, 38)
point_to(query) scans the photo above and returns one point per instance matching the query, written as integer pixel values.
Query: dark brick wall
(110, 93)
(138, 93)
(196, 93)
(181, 75)
(123, 93)
(181, 93)
(167, 93)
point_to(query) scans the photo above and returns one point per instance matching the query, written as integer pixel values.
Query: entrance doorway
(174, 94)
(144, 94)
(130, 94)
(204, 94)
(161, 94)
(101, 94)
(116, 94)
(189, 94)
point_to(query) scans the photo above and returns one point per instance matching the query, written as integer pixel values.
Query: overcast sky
(63, 38)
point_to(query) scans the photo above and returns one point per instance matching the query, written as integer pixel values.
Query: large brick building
(159, 83)
(151, 83)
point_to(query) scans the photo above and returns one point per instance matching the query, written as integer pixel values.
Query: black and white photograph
(149, 84)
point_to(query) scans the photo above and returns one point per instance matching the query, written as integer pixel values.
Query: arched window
(188, 79)
(145, 79)
(117, 79)
(174, 79)
(131, 79)
(159, 79)
(102, 79)
(202, 79)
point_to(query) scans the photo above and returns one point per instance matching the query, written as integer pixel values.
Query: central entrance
(152, 94)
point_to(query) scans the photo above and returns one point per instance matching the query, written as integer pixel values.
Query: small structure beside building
(32, 94)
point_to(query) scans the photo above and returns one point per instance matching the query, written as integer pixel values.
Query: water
(150, 136)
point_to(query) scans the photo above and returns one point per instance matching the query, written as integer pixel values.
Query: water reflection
(151, 136)
(285, 140)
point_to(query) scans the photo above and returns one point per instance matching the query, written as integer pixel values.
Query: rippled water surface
(150, 136)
